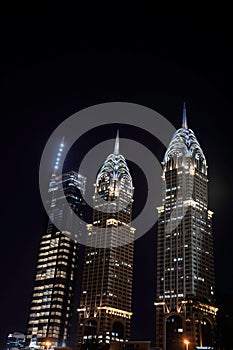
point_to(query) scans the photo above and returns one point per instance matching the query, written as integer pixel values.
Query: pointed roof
(184, 118)
(115, 166)
(184, 142)
(116, 148)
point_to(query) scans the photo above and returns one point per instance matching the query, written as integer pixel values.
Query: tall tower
(185, 311)
(52, 301)
(105, 305)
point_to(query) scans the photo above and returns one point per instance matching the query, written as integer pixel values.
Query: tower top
(184, 118)
(184, 142)
(116, 148)
(115, 166)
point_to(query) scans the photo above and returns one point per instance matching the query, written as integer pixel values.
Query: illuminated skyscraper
(105, 306)
(52, 301)
(185, 310)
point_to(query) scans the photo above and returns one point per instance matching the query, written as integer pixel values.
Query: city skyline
(90, 184)
(153, 58)
(105, 166)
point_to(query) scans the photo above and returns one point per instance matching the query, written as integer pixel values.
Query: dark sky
(56, 61)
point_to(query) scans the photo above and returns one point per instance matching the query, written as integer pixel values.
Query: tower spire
(58, 156)
(184, 118)
(116, 148)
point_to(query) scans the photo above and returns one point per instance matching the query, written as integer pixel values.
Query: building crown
(114, 167)
(184, 143)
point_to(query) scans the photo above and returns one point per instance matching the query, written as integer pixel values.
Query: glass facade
(52, 300)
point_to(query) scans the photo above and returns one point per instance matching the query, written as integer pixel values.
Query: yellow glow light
(47, 343)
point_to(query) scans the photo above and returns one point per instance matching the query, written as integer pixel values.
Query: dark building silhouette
(185, 303)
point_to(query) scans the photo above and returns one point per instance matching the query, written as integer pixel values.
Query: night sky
(56, 61)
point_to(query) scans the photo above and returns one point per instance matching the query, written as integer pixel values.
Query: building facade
(105, 305)
(52, 300)
(15, 341)
(185, 303)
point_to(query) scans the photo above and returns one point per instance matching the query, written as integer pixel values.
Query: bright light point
(60, 149)
(57, 163)
(186, 341)
(47, 344)
(62, 144)
(58, 159)
(56, 167)
(59, 154)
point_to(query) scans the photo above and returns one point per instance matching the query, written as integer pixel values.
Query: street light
(186, 344)
(47, 344)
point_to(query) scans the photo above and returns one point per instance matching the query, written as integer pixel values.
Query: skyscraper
(185, 304)
(52, 301)
(105, 305)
